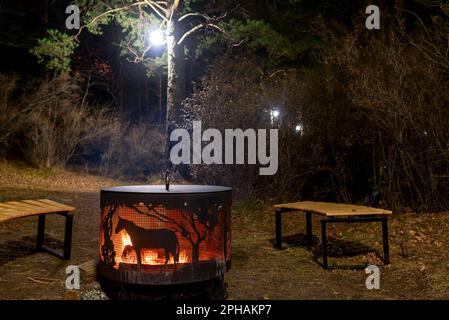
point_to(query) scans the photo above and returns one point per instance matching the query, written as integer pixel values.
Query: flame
(183, 258)
(149, 257)
(126, 239)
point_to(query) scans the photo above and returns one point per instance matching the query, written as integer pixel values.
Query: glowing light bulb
(157, 37)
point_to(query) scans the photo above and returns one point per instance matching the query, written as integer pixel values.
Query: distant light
(298, 128)
(157, 37)
(274, 115)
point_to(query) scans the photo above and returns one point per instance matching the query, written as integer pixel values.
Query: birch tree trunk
(176, 86)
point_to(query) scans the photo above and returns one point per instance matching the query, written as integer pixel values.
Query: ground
(418, 248)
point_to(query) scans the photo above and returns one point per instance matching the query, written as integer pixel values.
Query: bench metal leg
(309, 226)
(324, 243)
(385, 240)
(40, 231)
(278, 223)
(278, 226)
(67, 236)
(383, 220)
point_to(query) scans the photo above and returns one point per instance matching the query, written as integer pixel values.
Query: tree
(137, 20)
(55, 51)
(241, 25)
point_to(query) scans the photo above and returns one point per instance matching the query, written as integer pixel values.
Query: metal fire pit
(152, 236)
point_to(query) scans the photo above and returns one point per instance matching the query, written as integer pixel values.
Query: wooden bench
(333, 213)
(20, 209)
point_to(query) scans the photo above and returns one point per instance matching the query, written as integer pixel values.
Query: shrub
(58, 122)
(49, 123)
(235, 95)
(135, 151)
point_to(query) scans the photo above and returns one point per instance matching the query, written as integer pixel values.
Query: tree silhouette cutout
(107, 249)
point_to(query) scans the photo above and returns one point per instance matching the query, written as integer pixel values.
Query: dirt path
(419, 246)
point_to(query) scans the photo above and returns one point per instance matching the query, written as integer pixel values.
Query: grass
(19, 175)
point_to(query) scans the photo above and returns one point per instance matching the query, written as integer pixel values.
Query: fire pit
(151, 236)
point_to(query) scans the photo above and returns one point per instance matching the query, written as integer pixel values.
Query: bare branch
(159, 5)
(282, 70)
(154, 6)
(430, 49)
(191, 14)
(196, 28)
(239, 43)
(202, 15)
(108, 12)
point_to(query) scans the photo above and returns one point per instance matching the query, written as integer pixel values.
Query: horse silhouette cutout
(142, 238)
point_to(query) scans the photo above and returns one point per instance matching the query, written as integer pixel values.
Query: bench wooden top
(18, 209)
(333, 209)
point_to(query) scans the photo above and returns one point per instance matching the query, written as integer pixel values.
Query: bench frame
(328, 220)
(41, 207)
(40, 246)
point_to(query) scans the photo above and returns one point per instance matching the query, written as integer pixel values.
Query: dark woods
(372, 109)
(359, 110)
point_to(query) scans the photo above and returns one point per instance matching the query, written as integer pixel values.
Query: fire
(126, 239)
(183, 258)
(149, 257)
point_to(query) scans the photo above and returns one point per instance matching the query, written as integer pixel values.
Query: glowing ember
(150, 257)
